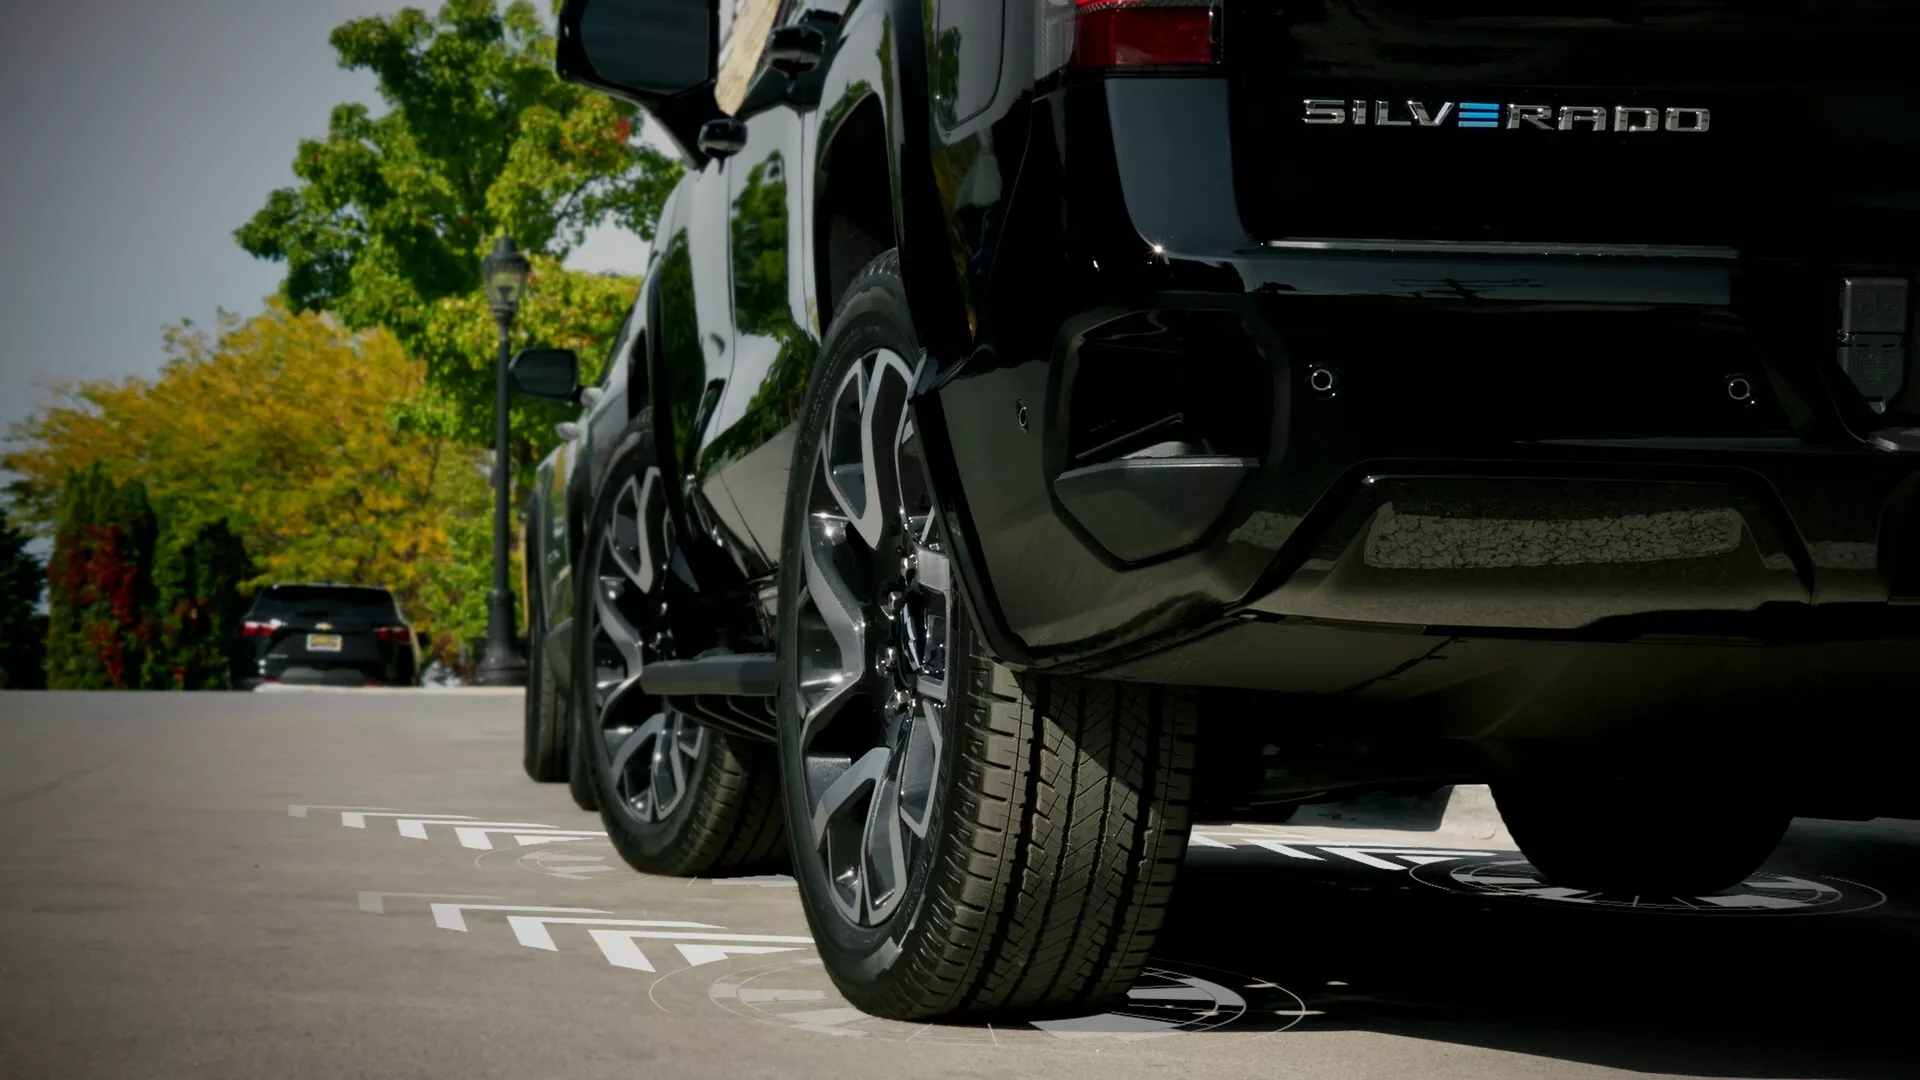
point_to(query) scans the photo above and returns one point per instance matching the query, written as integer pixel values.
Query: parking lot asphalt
(337, 885)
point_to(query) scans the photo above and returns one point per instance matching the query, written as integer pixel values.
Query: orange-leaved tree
(281, 425)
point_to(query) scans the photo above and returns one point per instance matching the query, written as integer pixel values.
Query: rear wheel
(544, 743)
(967, 842)
(1647, 839)
(676, 797)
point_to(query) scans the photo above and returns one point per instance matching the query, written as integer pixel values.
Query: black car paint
(283, 655)
(1036, 215)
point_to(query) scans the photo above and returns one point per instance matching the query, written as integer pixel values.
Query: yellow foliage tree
(281, 425)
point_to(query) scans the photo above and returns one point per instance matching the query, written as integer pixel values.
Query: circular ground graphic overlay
(1170, 1000)
(1764, 893)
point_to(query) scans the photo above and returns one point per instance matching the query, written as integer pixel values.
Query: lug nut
(885, 661)
(890, 603)
(900, 701)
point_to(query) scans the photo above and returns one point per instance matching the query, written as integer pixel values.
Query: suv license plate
(323, 642)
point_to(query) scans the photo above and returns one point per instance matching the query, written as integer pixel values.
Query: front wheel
(676, 797)
(967, 841)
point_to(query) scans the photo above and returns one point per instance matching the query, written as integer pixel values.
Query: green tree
(394, 212)
(278, 426)
(197, 575)
(23, 629)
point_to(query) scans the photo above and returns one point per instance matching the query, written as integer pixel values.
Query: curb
(1471, 811)
(408, 691)
(1463, 810)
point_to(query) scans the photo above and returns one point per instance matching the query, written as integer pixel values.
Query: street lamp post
(504, 271)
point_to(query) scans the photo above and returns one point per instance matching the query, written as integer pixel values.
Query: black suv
(1046, 421)
(326, 635)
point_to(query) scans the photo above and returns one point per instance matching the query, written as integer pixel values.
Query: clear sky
(135, 136)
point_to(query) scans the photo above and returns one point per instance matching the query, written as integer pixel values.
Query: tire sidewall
(539, 697)
(875, 315)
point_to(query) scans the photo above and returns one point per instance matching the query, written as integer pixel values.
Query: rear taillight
(1082, 35)
(256, 629)
(399, 634)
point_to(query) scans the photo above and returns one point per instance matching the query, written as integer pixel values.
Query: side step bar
(736, 674)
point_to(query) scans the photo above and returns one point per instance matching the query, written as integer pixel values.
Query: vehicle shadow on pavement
(1725, 994)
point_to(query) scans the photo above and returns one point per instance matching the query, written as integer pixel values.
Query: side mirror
(796, 49)
(553, 374)
(641, 50)
(723, 137)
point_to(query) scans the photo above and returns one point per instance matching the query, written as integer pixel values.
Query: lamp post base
(502, 665)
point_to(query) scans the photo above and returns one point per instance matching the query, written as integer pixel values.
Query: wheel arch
(873, 178)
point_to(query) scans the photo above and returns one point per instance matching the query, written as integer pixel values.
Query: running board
(733, 674)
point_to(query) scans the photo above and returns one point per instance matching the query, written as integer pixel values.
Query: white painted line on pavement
(452, 916)
(415, 828)
(359, 820)
(476, 836)
(375, 902)
(299, 811)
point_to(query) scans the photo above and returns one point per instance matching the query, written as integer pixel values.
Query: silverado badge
(1626, 119)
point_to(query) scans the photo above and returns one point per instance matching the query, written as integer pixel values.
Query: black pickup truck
(1046, 421)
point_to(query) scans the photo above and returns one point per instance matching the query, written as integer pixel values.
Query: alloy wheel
(651, 752)
(873, 622)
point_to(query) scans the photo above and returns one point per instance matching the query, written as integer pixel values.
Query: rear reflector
(1102, 35)
(1131, 33)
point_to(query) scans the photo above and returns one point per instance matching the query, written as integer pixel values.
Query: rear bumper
(1477, 443)
(330, 673)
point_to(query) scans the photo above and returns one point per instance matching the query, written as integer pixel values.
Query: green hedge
(136, 601)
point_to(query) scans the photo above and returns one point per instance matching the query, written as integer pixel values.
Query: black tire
(724, 814)
(544, 742)
(1053, 815)
(579, 767)
(1646, 839)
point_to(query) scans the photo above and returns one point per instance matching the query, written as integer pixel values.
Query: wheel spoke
(840, 458)
(616, 691)
(614, 624)
(635, 739)
(867, 487)
(884, 851)
(920, 769)
(847, 789)
(618, 543)
(665, 777)
(933, 577)
(824, 681)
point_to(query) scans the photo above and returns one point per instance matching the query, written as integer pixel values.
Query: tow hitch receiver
(1873, 336)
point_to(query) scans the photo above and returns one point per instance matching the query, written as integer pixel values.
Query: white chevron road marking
(375, 902)
(453, 916)
(298, 810)
(619, 939)
(415, 828)
(479, 838)
(359, 820)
